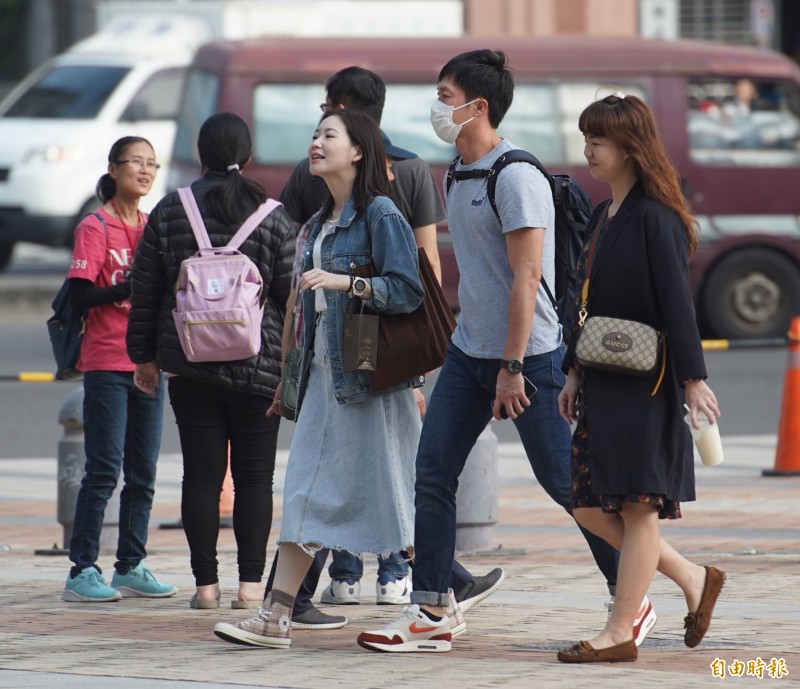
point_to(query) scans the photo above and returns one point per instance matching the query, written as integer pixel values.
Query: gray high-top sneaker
(271, 627)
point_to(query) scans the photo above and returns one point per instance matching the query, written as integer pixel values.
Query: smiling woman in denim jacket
(350, 478)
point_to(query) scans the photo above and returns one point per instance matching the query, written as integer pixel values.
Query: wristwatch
(511, 365)
(360, 287)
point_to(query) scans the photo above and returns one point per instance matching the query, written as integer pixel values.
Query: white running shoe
(390, 590)
(644, 621)
(413, 632)
(342, 592)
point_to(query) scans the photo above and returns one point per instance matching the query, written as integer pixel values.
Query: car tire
(752, 293)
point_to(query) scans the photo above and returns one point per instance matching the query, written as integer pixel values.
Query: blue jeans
(458, 411)
(345, 565)
(122, 429)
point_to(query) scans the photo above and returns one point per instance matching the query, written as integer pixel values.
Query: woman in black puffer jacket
(217, 405)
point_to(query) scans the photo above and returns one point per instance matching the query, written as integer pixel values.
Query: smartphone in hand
(530, 393)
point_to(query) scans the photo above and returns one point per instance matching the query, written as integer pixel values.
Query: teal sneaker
(139, 582)
(89, 587)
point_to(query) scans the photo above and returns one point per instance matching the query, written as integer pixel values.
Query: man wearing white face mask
(508, 336)
(442, 120)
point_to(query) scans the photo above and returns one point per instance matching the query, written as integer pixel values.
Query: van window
(68, 92)
(543, 119)
(199, 103)
(158, 99)
(744, 122)
(284, 117)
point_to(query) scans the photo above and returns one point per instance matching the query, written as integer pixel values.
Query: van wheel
(6, 252)
(752, 293)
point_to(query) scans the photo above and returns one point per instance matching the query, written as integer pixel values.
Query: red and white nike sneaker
(644, 621)
(413, 632)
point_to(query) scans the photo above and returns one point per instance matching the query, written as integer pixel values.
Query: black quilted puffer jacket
(166, 242)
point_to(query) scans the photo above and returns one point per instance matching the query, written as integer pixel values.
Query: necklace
(139, 224)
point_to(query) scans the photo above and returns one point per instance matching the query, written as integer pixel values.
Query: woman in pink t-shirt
(122, 425)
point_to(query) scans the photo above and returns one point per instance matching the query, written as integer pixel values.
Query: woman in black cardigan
(221, 407)
(632, 452)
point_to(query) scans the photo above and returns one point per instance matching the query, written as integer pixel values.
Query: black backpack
(65, 328)
(573, 210)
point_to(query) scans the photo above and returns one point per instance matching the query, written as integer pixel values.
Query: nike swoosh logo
(415, 629)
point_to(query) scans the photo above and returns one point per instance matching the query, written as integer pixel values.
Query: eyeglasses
(150, 165)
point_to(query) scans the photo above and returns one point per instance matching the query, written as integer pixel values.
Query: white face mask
(442, 120)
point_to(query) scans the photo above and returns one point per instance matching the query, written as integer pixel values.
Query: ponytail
(225, 147)
(106, 188)
(234, 198)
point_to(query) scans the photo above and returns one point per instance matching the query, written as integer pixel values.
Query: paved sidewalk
(742, 523)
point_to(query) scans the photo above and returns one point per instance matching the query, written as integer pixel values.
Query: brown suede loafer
(582, 652)
(697, 623)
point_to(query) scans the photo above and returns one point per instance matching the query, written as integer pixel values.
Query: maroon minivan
(739, 161)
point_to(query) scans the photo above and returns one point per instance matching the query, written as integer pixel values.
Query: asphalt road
(747, 382)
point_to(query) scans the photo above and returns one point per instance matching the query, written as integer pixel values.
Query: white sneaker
(414, 631)
(342, 592)
(390, 590)
(644, 621)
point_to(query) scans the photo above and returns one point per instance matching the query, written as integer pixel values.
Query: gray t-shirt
(523, 199)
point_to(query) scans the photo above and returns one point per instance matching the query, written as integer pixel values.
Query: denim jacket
(381, 235)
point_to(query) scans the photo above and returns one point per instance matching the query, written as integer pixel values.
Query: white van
(58, 125)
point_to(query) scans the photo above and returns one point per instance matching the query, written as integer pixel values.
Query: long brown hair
(629, 123)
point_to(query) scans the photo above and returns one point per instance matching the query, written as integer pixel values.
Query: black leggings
(209, 417)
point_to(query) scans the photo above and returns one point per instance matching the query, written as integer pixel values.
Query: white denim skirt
(350, 476)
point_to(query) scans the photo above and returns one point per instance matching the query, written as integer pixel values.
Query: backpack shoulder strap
(252, 222)
(100, 218)
(449, 176)
(516, 155)
(195, 219)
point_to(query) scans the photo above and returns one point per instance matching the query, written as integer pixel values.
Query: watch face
(359, 285)
(513, 366)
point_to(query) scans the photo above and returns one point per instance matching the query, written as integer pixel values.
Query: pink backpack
(218, 311)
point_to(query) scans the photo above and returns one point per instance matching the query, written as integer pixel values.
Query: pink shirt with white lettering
(103, 256)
